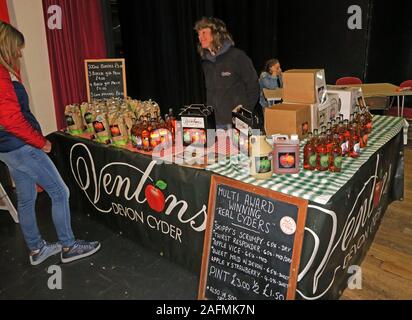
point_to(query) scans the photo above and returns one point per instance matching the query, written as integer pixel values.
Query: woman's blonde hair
(11, 41)
(219, 33)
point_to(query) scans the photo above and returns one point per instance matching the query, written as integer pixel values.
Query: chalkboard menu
(105, 79)
(252, 243)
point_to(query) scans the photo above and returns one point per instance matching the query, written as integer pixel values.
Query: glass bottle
(329, 140)
(354, 143)
(335, 157)
(322, 158)
(309, 154)
(136, 134)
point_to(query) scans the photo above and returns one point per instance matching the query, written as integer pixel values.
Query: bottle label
(344, 147)
(70, 121)
(98, 126)
(312, 160)
(88, 117)
(324, 160)
(115, 131)
(287, 160)
(337, 160)
(357, 149)
(263, 164)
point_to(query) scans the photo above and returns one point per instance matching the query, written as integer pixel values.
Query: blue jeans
(30, 166)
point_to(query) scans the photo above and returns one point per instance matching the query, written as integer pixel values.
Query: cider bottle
(309, 154)
(146, 137)
(329, 140)
(315, 139)
(354, 143)
(335, 157)
(342, 138)
(365, 134)
(172, 124)
(136, 135)
(322, 158)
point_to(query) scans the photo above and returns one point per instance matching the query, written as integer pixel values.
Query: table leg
(403, 105)
(398, 105)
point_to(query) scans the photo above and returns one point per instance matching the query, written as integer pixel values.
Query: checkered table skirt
(315, 186)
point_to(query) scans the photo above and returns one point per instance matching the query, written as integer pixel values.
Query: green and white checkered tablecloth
(316, 186)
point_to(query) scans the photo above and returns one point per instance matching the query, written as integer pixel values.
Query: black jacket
(231, 80)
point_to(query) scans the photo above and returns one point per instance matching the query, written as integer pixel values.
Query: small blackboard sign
(106, 78)
(252, 243)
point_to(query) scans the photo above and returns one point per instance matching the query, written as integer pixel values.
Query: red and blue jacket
(18, 126)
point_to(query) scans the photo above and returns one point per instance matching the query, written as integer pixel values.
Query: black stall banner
(339, 235)
(105, 78)
(137, 196)
(252, 243)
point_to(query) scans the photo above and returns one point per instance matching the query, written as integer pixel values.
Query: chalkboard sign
(105, 79)
(252, 243)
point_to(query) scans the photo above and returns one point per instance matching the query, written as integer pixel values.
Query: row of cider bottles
(149, 132)
(340, 139)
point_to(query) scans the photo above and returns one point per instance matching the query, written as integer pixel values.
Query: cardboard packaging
(288, 118)
(348, 98)
(195, 121)
(325, 112)
(273, 96)
(244, 121)
(307, 86)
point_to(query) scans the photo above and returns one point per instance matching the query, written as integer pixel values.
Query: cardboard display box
(195, 120)
(288, 118)
(349, 98)
(307, 86)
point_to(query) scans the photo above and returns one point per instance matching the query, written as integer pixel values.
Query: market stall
(164, 205)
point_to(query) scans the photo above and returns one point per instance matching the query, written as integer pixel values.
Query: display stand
(6, 204)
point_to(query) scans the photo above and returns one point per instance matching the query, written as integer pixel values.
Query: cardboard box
(244, 121)
(195, 121)
(273, 96)
(348, 98)
(288, 118)
(307, 86)
(321, 114)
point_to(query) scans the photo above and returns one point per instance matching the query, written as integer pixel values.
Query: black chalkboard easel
(252, 244)
(105, 78)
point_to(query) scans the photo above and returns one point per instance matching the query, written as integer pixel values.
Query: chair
(406, 85)
(7, 205)
(344, 81)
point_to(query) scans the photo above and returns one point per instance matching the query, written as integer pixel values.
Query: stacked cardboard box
(306, 104)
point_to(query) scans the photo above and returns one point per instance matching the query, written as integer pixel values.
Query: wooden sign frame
(301, 204)
(123, 61)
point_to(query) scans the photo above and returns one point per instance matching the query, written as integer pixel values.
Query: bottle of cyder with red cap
(286, 154)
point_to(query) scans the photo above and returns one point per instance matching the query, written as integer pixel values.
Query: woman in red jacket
(24, 150)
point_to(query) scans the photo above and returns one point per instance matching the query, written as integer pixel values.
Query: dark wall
(315, 34)
(390, 54)
(160, 44)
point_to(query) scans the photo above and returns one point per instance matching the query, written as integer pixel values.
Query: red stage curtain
(4, 12)
(81, 37)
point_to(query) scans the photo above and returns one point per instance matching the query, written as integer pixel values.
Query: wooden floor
(387, 269)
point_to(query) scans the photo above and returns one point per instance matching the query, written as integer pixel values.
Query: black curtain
(390, 53)
(162, 61)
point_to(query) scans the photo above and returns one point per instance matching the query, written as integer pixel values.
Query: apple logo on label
(286, 160)
(155, 197)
